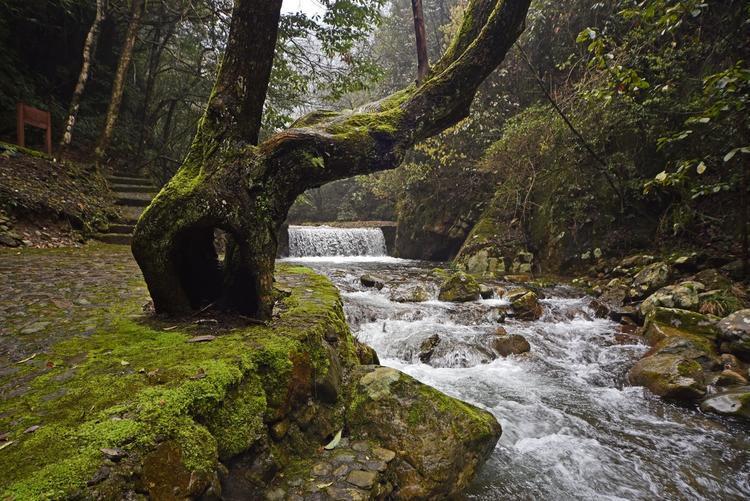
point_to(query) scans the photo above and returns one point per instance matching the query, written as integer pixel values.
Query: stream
(572, 426)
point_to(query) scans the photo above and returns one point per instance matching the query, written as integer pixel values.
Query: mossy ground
(137, 381)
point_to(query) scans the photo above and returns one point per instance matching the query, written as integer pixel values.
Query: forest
(374, 249)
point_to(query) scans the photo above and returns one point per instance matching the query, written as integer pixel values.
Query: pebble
(362, 478)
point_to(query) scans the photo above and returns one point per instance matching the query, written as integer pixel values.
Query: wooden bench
(28, 115)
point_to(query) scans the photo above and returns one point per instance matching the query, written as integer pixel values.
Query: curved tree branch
(246, 190)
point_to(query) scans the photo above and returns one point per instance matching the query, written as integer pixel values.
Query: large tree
(230, 182)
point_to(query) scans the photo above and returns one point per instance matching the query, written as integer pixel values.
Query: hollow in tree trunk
(229, 182)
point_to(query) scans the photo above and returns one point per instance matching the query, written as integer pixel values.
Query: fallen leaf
(31, 429)
(5, 444)
(171, 328)
(201, 339)
(333, 443)
(124, 363)
(50, 364)
(27, 358)
(323, 486)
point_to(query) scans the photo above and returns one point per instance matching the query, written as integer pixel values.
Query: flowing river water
(572, 426)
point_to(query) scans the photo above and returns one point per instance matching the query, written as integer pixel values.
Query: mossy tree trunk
(229, 182)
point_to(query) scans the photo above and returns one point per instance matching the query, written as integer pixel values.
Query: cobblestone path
(47, 295)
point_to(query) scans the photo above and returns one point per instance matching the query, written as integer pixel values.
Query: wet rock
(510, 344)
(113, 454)
(734, 332)
(486, 292)
(410, 294)
(665, 322)
(369, 280)
(729, 361)
(684, 296)
(459, 288)
(441, 441)
(735, 402)
(384, 455)
(427, 348)
(9, 241)
(525, 304)
(669, 376)
(728, 377)
(366, 354)
(600, 309)
(650, 279)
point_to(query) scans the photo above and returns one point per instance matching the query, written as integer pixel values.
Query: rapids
(572, 426)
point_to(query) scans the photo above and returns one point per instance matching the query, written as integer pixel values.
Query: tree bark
(118, 86)
(228, 183)
(423, 65)
(89, 49)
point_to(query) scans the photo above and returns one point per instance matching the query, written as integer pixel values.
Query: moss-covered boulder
(525, 304)
(670, 376)
(459, 288)
(439, 441)
(734, 402)
(649, 279)
(666, 322)
(684, 295)
(735, 333)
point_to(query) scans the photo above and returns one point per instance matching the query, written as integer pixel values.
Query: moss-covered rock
(735, 332)
(665, 322)
(439, 441)
(525, 304)
(459, 288)
(683, 295)
(670, 376)
(650, 279)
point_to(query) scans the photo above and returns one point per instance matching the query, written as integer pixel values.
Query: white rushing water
(324, 241)
(572, 427)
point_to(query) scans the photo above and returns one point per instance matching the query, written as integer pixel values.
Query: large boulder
(734, 332)
(684, 296)
(650, 279)
(734, 402)
(440, 442)
(667, 322)
(525, 304)
(459, 288)
(670, 376)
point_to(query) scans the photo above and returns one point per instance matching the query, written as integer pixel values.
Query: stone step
(133, 188)
(122, 228)
(140, 181)
(134, 199)
(130, 215)
(114, 238)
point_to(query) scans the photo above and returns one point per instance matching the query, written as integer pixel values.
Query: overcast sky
(306, 6)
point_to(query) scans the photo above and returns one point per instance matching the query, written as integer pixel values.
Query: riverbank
(100, 399)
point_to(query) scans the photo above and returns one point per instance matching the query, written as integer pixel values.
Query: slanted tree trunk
(118, 86)
(228, 182)
(423, 65)
(89, 49)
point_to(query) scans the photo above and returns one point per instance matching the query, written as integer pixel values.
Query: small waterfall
(329, 241)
